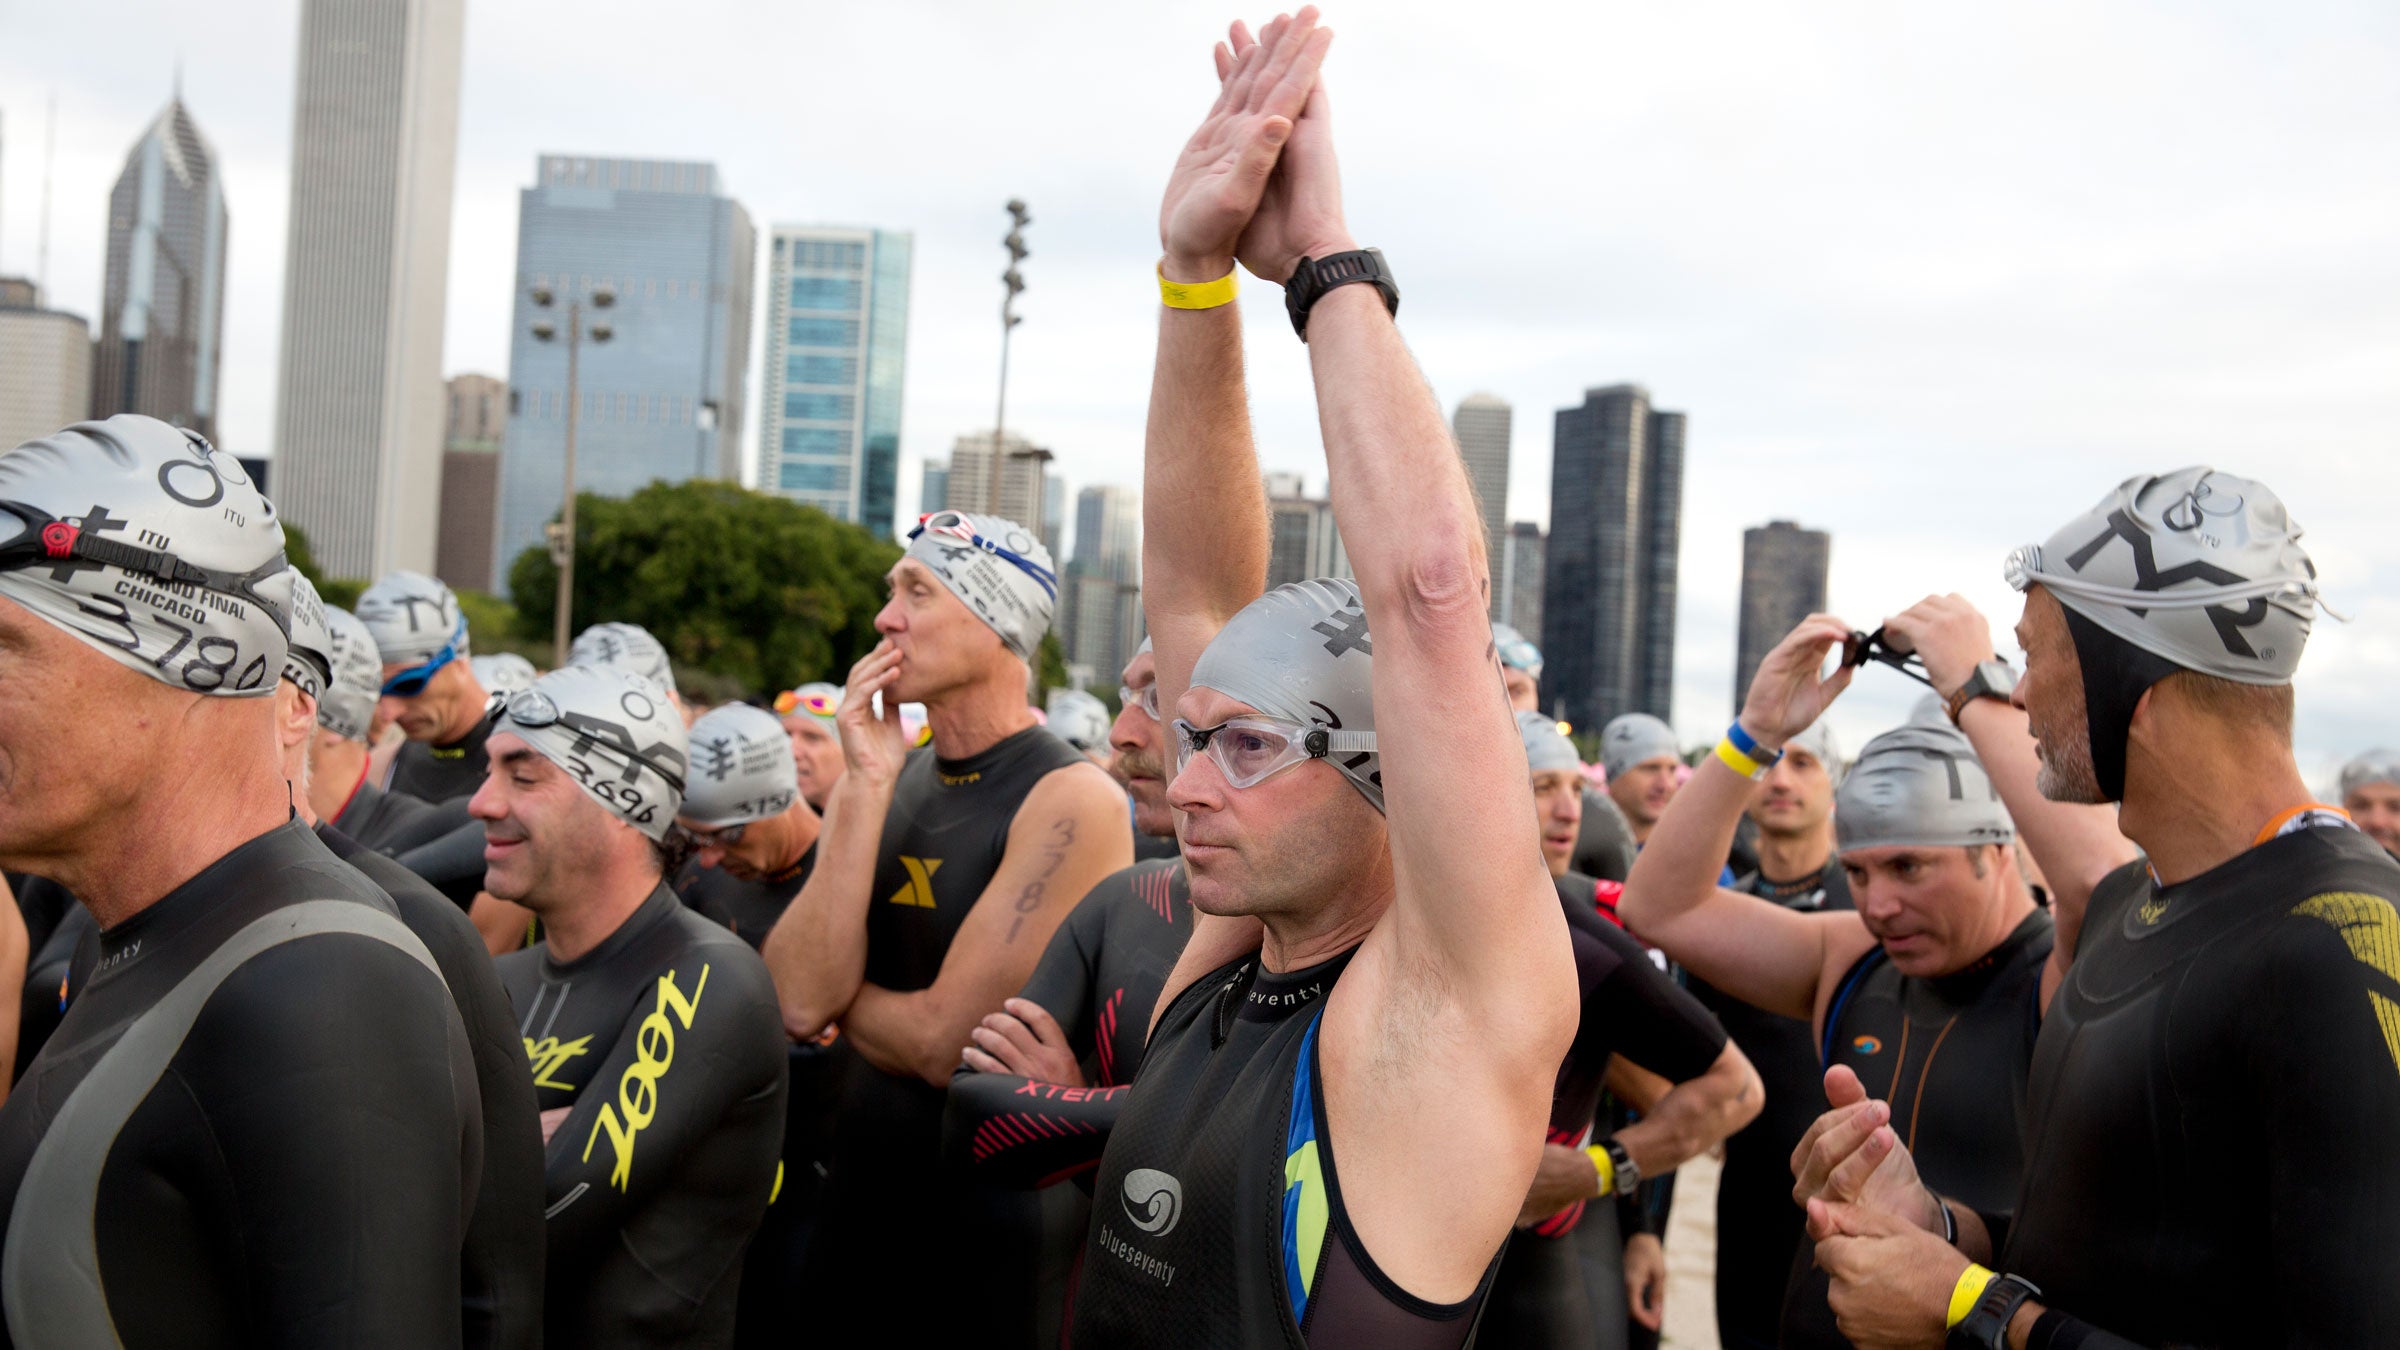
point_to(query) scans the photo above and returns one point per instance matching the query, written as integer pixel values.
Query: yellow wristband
(1608, 1169)
(1197, 295)
(1969, 1288)
(1731, 756)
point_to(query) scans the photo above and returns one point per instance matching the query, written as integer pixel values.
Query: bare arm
(1696, 1114)
(1069, 834)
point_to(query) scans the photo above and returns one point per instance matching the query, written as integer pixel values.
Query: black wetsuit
(1218, 1216)
(747, 909)
(1758, 1226)
(392, 823)
(2210, 1156)
(1604, 845)
(439, 773)
(891, 1212)
(257, 1126)
(660, 1172)
(500, 1271)
(1951, 1054)
(1544, 1295)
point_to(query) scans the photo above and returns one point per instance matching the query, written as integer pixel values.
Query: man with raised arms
(1344, 1098)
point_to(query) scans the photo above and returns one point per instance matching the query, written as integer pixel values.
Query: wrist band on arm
(1607, 1167)
(1949, 1222)
(1197, 294)
(1741, 752)
(1963, 1295)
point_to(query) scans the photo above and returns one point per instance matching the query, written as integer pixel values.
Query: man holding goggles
(429, 687)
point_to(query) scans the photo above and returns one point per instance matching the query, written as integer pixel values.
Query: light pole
(1014, 281)
(562, 534)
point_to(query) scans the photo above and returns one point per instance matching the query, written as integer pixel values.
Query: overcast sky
(1933, 277)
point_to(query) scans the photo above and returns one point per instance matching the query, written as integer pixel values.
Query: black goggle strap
(56, 542)
(1864, 647)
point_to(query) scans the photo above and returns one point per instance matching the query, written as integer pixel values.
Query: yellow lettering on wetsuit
(2370, 927)
(637, 1090)
(548, 1056)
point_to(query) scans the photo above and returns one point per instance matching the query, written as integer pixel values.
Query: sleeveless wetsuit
(257, 1126)
(1218, 1218)
(2210, 1157)
(437, 773)
(500, 1271)
(891, 1212)
(658, 1175)
(1758, 1226)
(1951, 1054)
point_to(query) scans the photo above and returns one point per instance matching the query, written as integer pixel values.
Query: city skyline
(162, 318)
(1951, 332)
(1612, 560)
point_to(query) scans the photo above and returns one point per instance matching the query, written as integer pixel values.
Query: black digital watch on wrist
(1315, 276)
(1986, 1326)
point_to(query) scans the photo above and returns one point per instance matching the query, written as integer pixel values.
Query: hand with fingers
(1948, 634)
(873, 745)
(1852, 1156)
(1646, 1280)
(1300, 214)
(1891, 1279)
(1221, 177)
(1791, 689)
(1025, 1040)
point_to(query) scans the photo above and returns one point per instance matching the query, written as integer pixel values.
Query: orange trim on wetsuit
(2284, 817)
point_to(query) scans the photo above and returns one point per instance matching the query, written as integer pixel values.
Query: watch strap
(1986, 1327)
(1315, 276)
(1977, 686)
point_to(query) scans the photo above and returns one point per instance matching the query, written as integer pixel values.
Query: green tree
(741, 584)
(339, 592)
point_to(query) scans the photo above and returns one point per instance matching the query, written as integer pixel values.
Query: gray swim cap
(1301, 653)
(148, 544)
(1545, 749)
(1079, 719)
(1818, 739)
(503, 672)
(1918, 786)
(614, 733)
(1515, 652)
(627, 646)
(1635, 738)
(997, 567)
(2375, 766)
(413, 616)
(742, 768)
(2199, 567)
(347, 707)
(308, 659)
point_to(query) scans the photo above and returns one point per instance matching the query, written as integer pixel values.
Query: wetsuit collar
(1271, 997)
(289, 844)
(1967, 983)
(960, 772)
(648, 914)
(468, 744)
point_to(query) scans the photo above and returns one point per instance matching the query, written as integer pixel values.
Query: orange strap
(2285, 815)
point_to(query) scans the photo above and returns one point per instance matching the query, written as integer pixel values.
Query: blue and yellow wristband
(1741, 752)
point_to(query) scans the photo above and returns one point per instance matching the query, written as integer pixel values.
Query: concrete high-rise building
(1302, 542)
(1783, 582)
(1054, 515)
(358, 423)
(471, 440)
(1024, 479)
(1520, 580)
(1481, 425)
(1609, 574)
(162, 323)
(45, 366)
(1105, 573)
(836, 361)
(664, 397)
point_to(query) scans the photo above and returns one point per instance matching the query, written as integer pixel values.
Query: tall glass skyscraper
(1609, 574)
(664, 397)
(163, 321)
(836, 361)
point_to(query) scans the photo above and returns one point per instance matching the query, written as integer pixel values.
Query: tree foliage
(742, 584)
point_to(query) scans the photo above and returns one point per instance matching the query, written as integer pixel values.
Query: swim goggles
(533, 710)
(64, 546)
(1860, 648)
(815, 705)
(1251, 750)
(1144, 698)
(702, 837)
(955, 525)
(412, 681)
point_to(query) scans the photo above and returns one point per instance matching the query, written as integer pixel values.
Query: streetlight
(562, 533)
(1014, 281)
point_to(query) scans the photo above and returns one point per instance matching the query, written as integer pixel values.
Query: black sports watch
(1315, 276)
(1992, 679)
(1628, 1173)
(1986, 1325)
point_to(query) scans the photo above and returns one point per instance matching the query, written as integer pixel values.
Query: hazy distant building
(471, 440)
(1609, 574)
(664, 397)
(358, 424)
(1108, 531)
(836, 363)
(1302, 542)
(162, 321)
(1024, 484)
(1783, 582)
(1100, 619)
(45, 366)
(1481, 425)
(934, 492)
(1519, 583)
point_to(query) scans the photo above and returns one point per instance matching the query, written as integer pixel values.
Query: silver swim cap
(1545, 749)
(1515, 652)
(149, 545)
(627, 646)
(413, 616)
(2199, 567)
(1301, 653)
(1818, 739)
(347, 707)
(614, 733)
(1635, 738)
(997, 567)
(742, 768)
(1918, 786)
(503, 672)
(2375, 766)
(308, 659)
(1079, 719)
